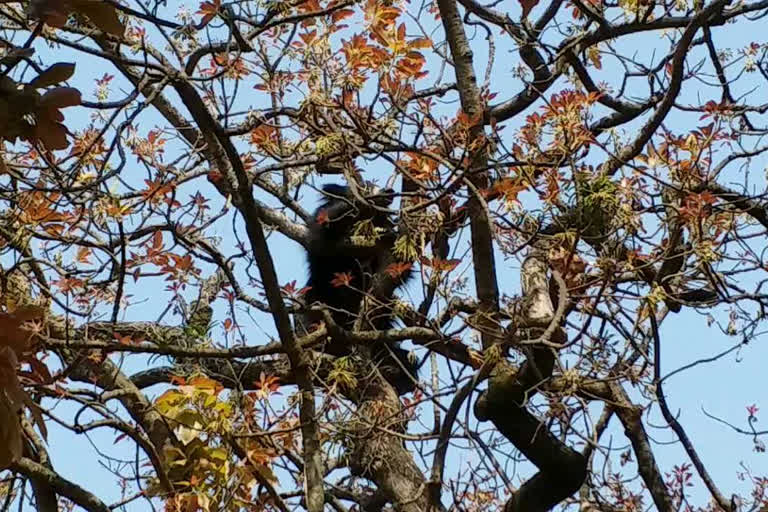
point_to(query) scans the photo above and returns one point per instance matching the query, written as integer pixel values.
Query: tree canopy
(580, 194)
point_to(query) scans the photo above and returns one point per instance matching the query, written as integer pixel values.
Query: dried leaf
(17, 53)
(52, 12)
(10, 435)
(37, 416)
(61, 97)
(52, 135)
(12, 397)
(57, 73)
(12, 334)
(102, 14)
(527, 5)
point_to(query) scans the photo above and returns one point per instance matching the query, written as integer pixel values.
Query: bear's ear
(335, 189)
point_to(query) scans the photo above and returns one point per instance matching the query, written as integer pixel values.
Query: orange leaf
(83, 253)
(341, 279)
(396, 269)
(123, 340)
(308, 37)
(341, 14)
(209, 10)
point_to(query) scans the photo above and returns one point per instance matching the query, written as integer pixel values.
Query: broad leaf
(57, 73)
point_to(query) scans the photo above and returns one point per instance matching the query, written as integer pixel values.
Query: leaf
(209, 10)
(17, 53)
(341, 279)
(10, 435)
(102, 15)
(341, 14)
(421, 42)
(186, 435)
(52, 12)
(206, 385)
(12, 332)
(37, 416)
(52, 135)
(594, 56)
(527, 5)
(55, 74)
(61, 97)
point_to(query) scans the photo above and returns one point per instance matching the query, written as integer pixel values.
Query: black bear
(331, 253)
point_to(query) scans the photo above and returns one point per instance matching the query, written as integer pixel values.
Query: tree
(563, 213)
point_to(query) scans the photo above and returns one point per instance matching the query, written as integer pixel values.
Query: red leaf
(341, 279)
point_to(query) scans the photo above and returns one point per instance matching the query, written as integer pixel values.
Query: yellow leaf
(168, 400)
(218, 454)
(206, 385)
(594, 56)
(203, 501)
(186, 435)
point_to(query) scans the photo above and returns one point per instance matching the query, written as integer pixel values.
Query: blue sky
(722, 388)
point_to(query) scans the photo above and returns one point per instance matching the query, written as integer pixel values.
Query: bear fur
(331, 252)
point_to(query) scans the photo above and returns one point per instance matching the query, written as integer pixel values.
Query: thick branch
(484, 264)
(231, 167)
(72, 491)
(631, 418)
(562, 470)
